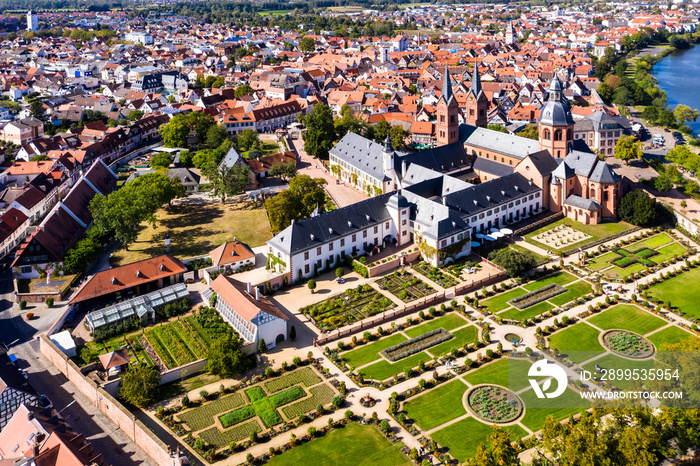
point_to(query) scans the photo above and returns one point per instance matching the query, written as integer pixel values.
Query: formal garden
(169, 344)
(567, 235)
(459, 414)
(528, 300)
(436, 275)
(637, 255)
(217, 422)
(349, 306)
(405, 286)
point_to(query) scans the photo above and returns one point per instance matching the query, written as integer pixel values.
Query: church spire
(447, 85)
(476, 80)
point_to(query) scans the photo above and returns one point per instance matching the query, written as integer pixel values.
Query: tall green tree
(320, 135)
(225, 357)
(628, 148)
(216, 135)
(227, 181)
(285, 171)
(297, 202)
(637, 208)
(242, 90)
(175, 133)
(161, 160)
(530, 132)
(307, 44)
(36, 108)
(498, 451)
(684, 114)
(140, 385)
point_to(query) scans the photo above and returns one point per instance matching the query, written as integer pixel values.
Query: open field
(627, 317)
(498, 373)
(576, 342)
(370, 352)
(438, 406)
(462, 438)
(676, 290)
(669, 336)
(537, 409)
(448, 322)
(197, 227)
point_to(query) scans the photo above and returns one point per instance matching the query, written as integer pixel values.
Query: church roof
(502, 143)
(447, 94)
(581, 203)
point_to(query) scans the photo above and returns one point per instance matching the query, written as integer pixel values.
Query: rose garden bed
(416, 345)
(494, 404)
(537, 296)
(628, 344)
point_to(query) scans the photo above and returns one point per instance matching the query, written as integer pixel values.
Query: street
(106, 438)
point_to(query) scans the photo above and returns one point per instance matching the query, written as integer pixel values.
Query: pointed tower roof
(476, 81)
(447, 86)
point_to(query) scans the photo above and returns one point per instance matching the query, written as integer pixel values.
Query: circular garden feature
(628, 344)
(492, 403)
(511, 337)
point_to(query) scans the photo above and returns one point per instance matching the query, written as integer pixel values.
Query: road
(83, 416)
(342, 194)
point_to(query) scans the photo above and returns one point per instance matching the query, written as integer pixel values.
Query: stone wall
(183, 371)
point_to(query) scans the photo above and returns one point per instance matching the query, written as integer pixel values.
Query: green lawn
(627, 317)
(461, 338)
(498, 373)
(488, 249)
(656, 241)
(437, 406)
(370, 352)
(342, 447)
(537, 409)
(611, 362)
(597, 232)
(668, 251)
(560, 278)
(676, 290)
(527, 313)
(462, 438)
(447, 322)
(602, 262)
(669, 336)
(500, 301)
(575, 290)
(577, 342)
(382, 370)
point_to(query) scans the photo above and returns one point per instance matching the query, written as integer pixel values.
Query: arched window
(592, 193)
(547, 134)
(557, 135)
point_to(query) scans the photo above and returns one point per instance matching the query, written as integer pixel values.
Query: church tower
(556, 129)
(510, 34)
(477, 103)
(447, 127)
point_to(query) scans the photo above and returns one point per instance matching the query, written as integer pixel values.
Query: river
(679, 75)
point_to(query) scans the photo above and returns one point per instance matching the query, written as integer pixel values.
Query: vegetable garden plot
(305, 376)
(320, 395)
(221, 439)
(435, 275)
(203, 416)
(405, 286)
(348, 307)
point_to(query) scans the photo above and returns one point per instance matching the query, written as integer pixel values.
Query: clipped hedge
(416, 345)
(537, 296)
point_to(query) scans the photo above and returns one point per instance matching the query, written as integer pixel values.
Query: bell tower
(556, 125)
(477, 102)
(447, 128)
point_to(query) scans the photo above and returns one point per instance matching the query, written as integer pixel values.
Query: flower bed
(628, 344)
(203, 416)
(320, 395)
(416, 345)
(435, 274)
(494, 404)
(221, 439)
(304, 376)
(348, 307)
(405, 286)
(537, 296)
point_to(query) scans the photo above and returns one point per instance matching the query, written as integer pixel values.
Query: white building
(250, 314)
(32, 21)
(139, 37)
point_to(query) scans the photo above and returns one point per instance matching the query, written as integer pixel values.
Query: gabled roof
(581, 203)
(114, 358)
(230, 252)
(361, 153)
(234, 293)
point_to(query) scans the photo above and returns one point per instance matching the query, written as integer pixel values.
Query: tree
(176, 131)
(339, 272)
(161, 160)
(242, 90)
(662, 183)
(227, 181)
(135, 115)
(247, 139)
(627, 148)
(530, 132)
(140, 385)
(185, 158)
(381, 131)
(79, 256)
(498, 452)
(216, 135)
(499, 128)
(225, 357)
(283, 170)
(297, 202)
(262, 346)
(684, 114)
(312, 285)
(320, 135)
(348, 122)
(36, 108)
(307, 44)
(637, 208)
(122, 211)
(514, 262)
(398, 136)
(39, 157)
(650, 113)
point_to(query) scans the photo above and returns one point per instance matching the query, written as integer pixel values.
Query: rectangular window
(318, 250)
(376, 230)
(318, 264)
(444, 243)
(354, 238)
(386, 225)
(342, 242)
(306, 268)
(364, 234)
(330, 247)
(403, 222)
(306, 255)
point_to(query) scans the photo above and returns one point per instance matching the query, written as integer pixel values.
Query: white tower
(32, 21)
(388, 162)
(510, 34)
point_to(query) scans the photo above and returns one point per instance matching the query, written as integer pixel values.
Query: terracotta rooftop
(234, 293)
(114, 358)
(230, 252)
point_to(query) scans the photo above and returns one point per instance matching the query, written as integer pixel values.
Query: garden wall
(392, 264)
(107, 404)
(183, 371)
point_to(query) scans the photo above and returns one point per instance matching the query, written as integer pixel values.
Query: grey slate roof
(602, 173)
(581, 203)
(556, 114)
(440, 159)
(439, 221)
(231, 158)
(514, 146)
(487, 195)
(316, 231)
(544, 162)
(491, 166)
(362, 154)
(581, 162)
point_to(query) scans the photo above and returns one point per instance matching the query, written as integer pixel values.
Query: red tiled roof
(235, 295)
(114, 358)
(230, 252)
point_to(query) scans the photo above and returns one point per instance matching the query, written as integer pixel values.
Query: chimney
(257, 293)
(35, 449)
(114, 280)
(249, 289)
(444, 201)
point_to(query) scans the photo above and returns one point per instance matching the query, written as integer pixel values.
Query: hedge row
(537, 296)
(417, 344)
